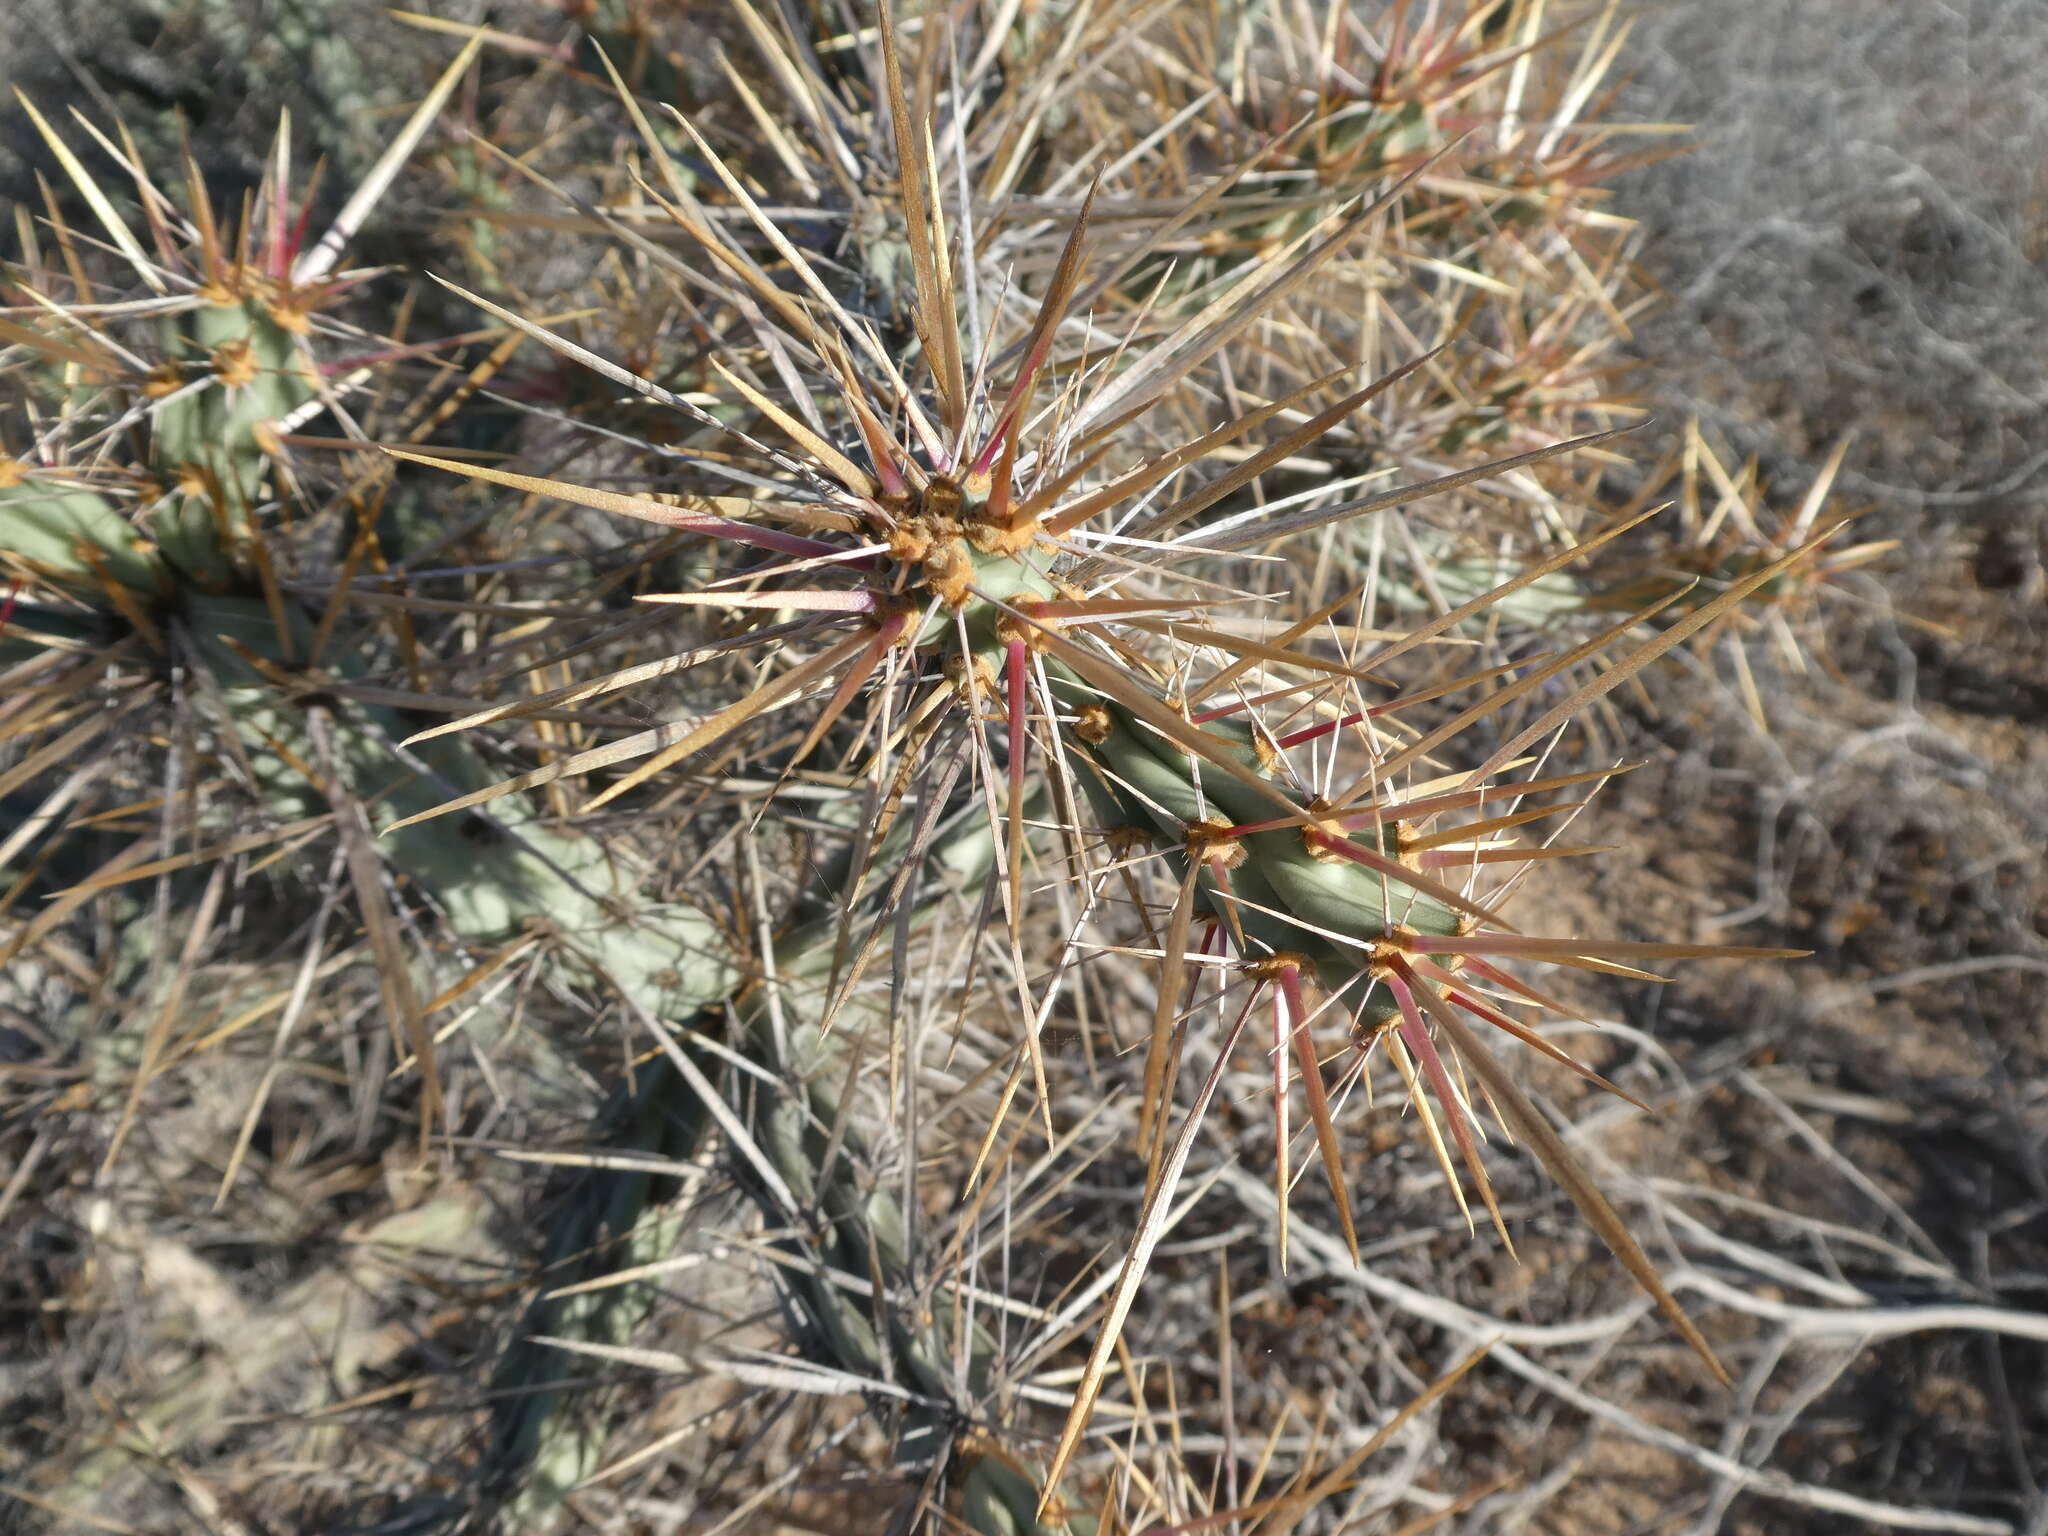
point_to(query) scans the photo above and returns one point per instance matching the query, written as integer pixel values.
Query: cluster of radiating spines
(1722, 528)
(212, 380)
(1526, 84)
(1325, 101)
(188, 330)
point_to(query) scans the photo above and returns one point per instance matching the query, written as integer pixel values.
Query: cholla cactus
(961, 513)
(172, 562)
(992, 540)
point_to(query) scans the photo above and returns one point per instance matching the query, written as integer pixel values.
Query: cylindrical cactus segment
(209, 454)
(1292, 888)
(211, 437)
(68, 535)
(1289, 888)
